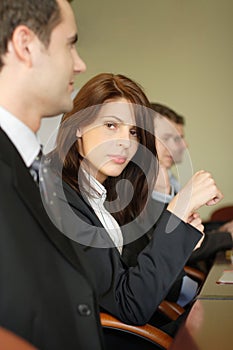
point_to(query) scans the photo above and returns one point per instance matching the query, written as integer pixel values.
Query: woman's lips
(118, 159)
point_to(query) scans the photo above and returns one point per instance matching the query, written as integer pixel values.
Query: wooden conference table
(209, 325)
(213, 290)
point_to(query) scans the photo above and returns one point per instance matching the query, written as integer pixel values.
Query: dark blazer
(45, 295)
(214, 241)
(131, 294)
(201, 258)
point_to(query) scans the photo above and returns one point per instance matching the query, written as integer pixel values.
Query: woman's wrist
(179, 209)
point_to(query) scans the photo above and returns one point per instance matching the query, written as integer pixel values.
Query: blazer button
(84, 310)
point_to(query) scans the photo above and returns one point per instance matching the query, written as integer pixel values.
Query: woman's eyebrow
(118, 119)
(113, 116)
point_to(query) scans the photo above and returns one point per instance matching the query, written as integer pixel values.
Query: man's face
(170, 142)
(58, 64)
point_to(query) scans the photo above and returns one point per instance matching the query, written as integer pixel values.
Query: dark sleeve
(133, 249)
(174, 291)
(130, 255)
(212, 243)
(133, 293)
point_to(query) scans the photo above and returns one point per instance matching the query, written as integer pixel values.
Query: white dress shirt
(96, 196)
(164, 197)
(23, 138)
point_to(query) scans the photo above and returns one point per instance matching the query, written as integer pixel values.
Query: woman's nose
(124, 137)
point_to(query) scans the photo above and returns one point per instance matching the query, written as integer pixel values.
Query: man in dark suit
(46, 293)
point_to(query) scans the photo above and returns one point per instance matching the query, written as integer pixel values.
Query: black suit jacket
(45, 295)
(131, 294)
(214, 241)
(201, 258)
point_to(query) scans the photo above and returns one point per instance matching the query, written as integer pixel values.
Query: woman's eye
(111, 126)
(133, 132)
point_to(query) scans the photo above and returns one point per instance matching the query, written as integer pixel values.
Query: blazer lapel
(29, 193)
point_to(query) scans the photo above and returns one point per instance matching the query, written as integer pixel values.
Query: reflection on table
(211, 289)
(209, 326)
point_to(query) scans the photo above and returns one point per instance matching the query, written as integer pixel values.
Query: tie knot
(34, 168)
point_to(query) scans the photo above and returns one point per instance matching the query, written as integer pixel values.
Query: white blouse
(96, 196)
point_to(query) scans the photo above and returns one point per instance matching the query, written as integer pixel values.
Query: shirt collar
(96, 192)
(24, 139)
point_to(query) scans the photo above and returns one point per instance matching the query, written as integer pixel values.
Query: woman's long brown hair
(141, 171)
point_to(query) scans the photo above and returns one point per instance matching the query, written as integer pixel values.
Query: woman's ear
(78, 133)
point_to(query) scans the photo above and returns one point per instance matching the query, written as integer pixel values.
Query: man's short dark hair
(41, 16)
(168, 113)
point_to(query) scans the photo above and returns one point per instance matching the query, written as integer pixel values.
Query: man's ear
(22, 39)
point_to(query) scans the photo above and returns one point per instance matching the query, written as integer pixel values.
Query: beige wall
(181, 52)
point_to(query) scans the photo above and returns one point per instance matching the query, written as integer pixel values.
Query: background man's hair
(168, 113)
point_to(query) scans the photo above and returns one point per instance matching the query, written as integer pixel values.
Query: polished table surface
(211, 289)
(209, 326)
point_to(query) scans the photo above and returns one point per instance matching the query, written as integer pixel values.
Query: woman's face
(110, 142)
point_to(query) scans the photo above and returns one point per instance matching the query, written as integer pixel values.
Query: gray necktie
(44, 177)
(34, 168)
(38, 171)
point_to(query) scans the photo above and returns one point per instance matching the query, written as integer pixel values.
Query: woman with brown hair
(106, 157)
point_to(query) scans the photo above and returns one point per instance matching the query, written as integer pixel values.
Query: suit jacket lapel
(30, 195)
(93, 238)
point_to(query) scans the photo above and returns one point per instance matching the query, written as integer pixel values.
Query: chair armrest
(171, 309)
(11, 341)
(147, 331)
(195, 274)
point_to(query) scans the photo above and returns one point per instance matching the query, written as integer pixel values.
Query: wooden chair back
(150, 334)
(11, 341)
(222, 214)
